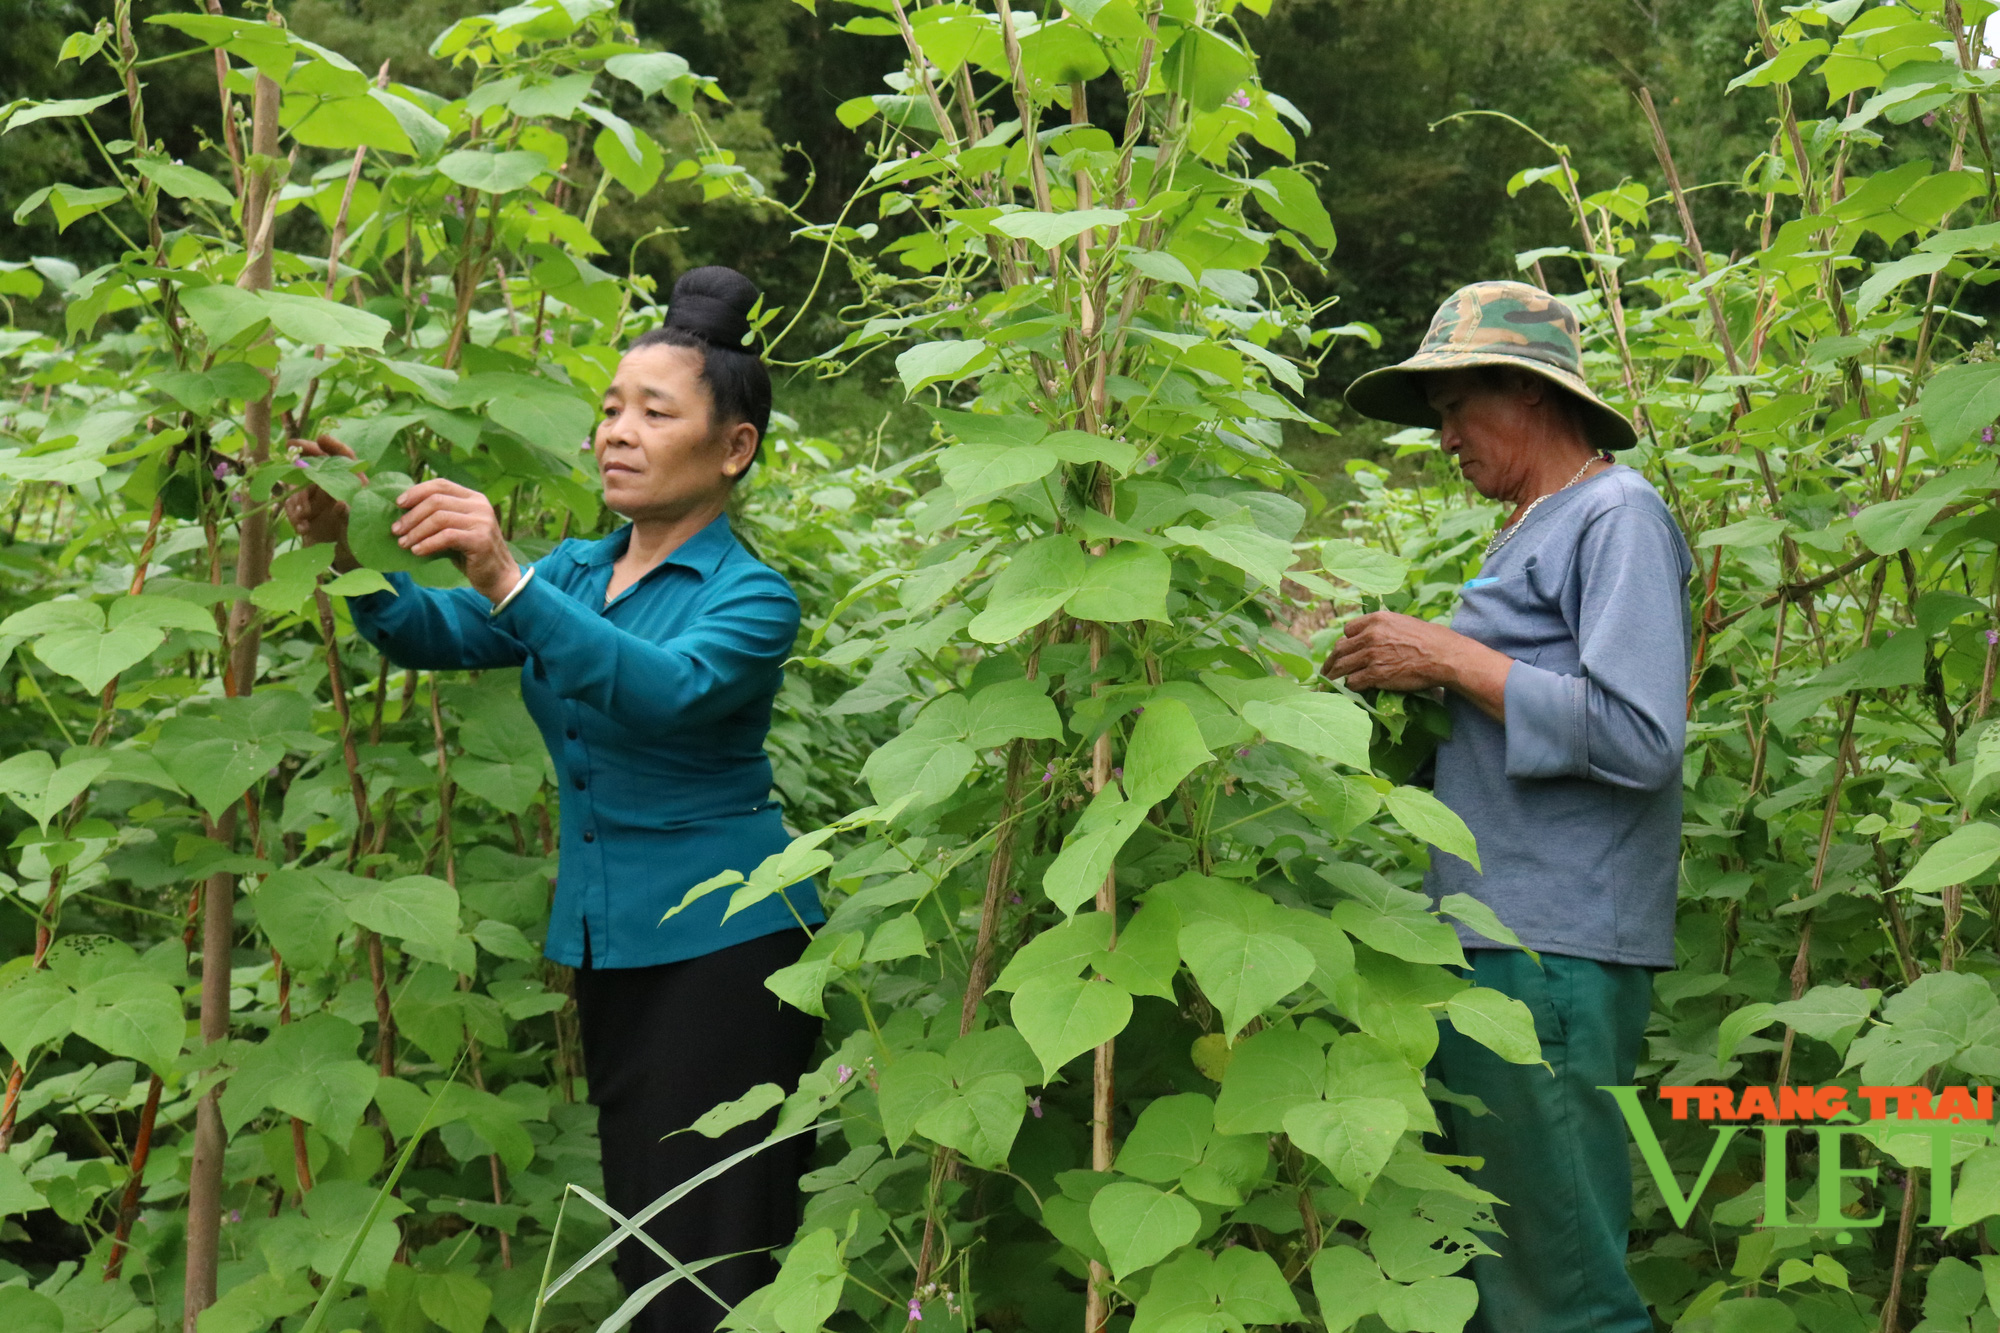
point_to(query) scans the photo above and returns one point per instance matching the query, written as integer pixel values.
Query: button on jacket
(655, 709)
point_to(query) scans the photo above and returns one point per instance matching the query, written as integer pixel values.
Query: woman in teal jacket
(649, 662)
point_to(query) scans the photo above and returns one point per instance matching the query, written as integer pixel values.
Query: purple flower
(235, 1214)
(1016, 900)
(548, 337)
(299, 462)
(1993, 638)
(1118, 773)
(221, 470)
(1049, 773)
(1852, 510)
(1986, 436)
(1035, 1105)
(843, 1073)
(916, 1311)
(424, 299)
(1930, 120)
(1243, 752)
(1152, 458)
(1239, 98)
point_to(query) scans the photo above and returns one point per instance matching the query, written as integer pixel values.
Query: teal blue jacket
(655, 709)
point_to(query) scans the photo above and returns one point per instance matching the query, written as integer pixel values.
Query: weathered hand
(1386, 651)
(444, 517)
(316, 516)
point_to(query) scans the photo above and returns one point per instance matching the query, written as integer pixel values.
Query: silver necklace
(1506, 534)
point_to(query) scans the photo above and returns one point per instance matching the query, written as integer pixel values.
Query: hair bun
(714, 304)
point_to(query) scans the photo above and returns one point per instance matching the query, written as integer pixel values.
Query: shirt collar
(703, 553)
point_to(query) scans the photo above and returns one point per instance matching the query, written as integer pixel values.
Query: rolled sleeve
(1622, 719)
(1548, 734)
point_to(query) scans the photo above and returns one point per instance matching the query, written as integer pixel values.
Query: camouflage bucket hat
(1492, 324)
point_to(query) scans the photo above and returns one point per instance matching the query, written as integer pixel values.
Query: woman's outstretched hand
(316, 516)
(442, 517)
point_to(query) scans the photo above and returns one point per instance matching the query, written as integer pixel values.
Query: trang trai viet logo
(1777, 1112)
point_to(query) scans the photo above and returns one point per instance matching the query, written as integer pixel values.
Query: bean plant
(1129, 985)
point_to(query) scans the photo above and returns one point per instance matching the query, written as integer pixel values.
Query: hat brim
(1396, 393)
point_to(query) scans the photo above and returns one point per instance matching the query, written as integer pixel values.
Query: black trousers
(661, 1045)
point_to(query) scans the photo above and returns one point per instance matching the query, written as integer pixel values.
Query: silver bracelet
(512, 592)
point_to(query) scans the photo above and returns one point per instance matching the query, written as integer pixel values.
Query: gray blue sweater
(1576, 799)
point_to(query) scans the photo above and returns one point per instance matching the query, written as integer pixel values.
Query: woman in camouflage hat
(1565, 674)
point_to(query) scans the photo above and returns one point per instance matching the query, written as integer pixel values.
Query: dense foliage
(1129, 995)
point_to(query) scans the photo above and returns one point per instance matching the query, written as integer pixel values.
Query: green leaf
(922, 766)
(1961, 400)
(1964, 853)
(183, 182)
(1833, 1014)
(1011, 710)
(1166, 746)
(1366, 569)
(1240, 1286)
(34, 783)
(368, 518)
(1754, 532)
(1170, 1138)
(1128, 582)
(1258, 554)
(306, 1069)
(1091, 848)
(978, 472)
(1294, 200)
(495, 173)
(17, 1196)
(303, 917)
(807, 1290)
(1063, 1018)
(1078, 448)
(1058, 952)
(1206, 68)
(941, 362)
(1140, 1226)
(1480, 917)
(61, 108)
(1348, 1285)
(133, 1015)
(1889, 527)
(1498, 1022)
(980, 1118)
(1445, 1304)
(34, 1008)
(313, 319)
(1354, 1136)
(719, 1120)
(1243, 971)
(23, 1310)
(1401, 929)
(1042, 576)
(1322, 724)
(912, 1084)
(459, 1302)
(1432, 820)
(1269, 1074)
(898, 937)
(1737, 1025)
(420, 911)
(1053, 230)
(222, 311)
(648, 71)
(214, 762)
(544, 415)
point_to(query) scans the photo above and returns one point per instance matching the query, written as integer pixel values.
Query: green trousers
(1555, 1147)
